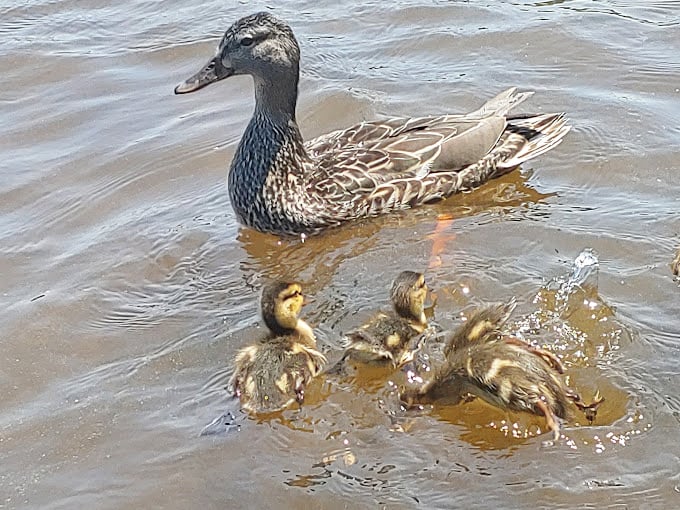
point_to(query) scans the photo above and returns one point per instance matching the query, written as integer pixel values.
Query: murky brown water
(127, 285)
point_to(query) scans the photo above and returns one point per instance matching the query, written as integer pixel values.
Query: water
(127, 285)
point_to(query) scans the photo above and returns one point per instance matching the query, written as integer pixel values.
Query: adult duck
(281, 184)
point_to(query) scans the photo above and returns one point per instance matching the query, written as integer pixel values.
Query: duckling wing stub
(364, 347)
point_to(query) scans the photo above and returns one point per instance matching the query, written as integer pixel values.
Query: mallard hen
(273, 373)
(507, 373)
(278, 183)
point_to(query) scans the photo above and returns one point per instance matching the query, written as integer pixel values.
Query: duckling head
(281, 303)
(408, 294)
(260, 45)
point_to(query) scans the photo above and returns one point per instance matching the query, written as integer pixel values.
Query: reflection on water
(127, 285)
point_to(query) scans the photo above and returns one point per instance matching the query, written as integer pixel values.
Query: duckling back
(483, 326)
(383, 340)
(510, 376)
(273, 374)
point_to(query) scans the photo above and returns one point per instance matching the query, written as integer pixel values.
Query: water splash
(572, 291)
(571, 318)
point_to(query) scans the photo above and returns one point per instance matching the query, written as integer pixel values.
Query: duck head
(260, 45)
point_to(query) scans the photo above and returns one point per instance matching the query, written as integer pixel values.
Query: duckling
(675, 265)
(507, 374)
(387, 338)
(273, 373)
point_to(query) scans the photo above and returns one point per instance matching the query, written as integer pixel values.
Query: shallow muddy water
(127, 284)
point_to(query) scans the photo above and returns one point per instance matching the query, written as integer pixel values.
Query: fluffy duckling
(386, 339)
(273, 373)
(507, 373)
(675, 265)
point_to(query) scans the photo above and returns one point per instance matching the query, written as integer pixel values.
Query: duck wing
(367, 155)
(398, 162)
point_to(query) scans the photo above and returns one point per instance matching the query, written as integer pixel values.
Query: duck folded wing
(380, 152)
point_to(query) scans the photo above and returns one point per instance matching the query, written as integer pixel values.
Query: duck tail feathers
(543, 133)
(501, 104)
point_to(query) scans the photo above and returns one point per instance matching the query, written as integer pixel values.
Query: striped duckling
(387, 338)
(273, 373)
(504, 371)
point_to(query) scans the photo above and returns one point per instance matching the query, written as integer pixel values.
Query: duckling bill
(281, 184)
(507, 374)
(387, 338)
(273, 373)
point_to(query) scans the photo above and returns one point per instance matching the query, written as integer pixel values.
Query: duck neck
(276, 96)
(270, 151)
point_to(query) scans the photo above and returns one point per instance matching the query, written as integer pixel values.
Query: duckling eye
(246, 41)
(294, 294)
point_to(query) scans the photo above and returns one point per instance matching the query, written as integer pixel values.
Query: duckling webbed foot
(589, 410)
(300, 391)
(410, 353)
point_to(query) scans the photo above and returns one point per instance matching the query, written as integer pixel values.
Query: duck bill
(212, 72)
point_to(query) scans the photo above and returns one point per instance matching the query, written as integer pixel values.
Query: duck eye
(246, 41)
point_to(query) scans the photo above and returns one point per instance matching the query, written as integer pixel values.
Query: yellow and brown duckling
(387, 338)
(507, 373)
(675, 265)
(273, 373)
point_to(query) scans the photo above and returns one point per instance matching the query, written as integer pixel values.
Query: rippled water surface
(127, 285)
